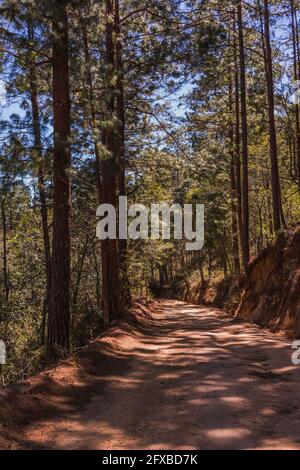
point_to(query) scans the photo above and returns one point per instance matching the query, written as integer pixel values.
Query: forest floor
(186, 377)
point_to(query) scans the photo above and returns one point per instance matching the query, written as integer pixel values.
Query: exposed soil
(271, 292)
(186, 377)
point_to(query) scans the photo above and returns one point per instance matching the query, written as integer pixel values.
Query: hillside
(271, 291)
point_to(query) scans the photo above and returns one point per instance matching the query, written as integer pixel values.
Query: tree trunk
(237, 134)
(120, 111)
(233, 192)
(120, 154)
(91, 99)
(296, 59)
(276, 192)
(38, 159)
(80, 266)
(4, 241)
(58, 343)
(109, 251)
(245, 187)
(97, 272)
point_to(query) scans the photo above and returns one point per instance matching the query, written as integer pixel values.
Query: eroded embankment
(271, 291)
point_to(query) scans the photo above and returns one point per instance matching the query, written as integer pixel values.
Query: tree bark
(109, 249)
(120, 154)
(120, 144)
(91, 98)
(296, 64)
(237, 132)
(58, 343)
(276, 191)
(38, 159)
(4, 241)
(234, 210)
(245, 156)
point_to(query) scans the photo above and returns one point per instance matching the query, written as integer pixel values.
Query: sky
(2, 93)
(6, 109)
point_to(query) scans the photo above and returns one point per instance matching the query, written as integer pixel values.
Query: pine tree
(58, 341)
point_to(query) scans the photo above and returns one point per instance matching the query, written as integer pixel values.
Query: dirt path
(192, 378)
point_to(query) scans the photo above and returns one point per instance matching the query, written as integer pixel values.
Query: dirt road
(191, 378)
